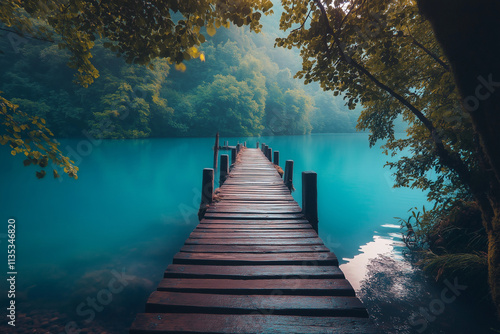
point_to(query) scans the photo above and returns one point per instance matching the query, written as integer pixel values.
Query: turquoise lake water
(136, 201)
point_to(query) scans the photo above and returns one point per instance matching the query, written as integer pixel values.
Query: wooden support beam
(269, 154)
(233, 156)
(310, 198)
(216, 150)
(207, 187)
(224, 168)
(288, 179)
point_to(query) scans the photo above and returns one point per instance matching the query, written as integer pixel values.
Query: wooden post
(262, 148)
(257, 144)
(237, 148)
(277, 158)
(207, 187)
(233, 155)
(288, 179)
(270, 154)
(310, 198)
(245, 144)
(216, 150)
(266, 147)
(224, 168)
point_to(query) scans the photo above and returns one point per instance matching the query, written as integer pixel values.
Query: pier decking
(254, 264)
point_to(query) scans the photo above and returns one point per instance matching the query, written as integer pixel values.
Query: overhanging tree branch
(449, 159)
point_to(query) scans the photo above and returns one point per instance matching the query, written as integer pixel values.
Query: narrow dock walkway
(254, 265)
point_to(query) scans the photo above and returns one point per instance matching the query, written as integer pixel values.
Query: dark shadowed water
(89, 252)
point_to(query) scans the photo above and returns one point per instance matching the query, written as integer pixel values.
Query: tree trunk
(469, 32)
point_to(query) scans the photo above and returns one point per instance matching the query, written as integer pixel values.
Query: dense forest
(243, 87)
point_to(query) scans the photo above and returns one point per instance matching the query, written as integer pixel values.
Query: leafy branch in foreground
(28, 135)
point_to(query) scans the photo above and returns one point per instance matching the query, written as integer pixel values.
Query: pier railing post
(257, 144)
(310, 198)
(262, 147)
(224, 168)
(277, 158)
(207, 187)
(233, 155)
(216, 150)
(288, 179)
(269, 154)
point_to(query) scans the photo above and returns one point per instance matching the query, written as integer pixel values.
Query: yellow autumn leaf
(202, 57)
(193, 51)
(211, 30)
(180, 67)
(13, 152)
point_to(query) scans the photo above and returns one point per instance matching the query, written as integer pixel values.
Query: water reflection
(400, 299)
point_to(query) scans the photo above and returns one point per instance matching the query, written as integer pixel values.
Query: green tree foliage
(133, 101)
(385, 56)
(229, 105)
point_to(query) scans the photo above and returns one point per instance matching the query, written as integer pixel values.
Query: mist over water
(89, 252)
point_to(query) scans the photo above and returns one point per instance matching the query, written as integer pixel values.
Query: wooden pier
(254, 264)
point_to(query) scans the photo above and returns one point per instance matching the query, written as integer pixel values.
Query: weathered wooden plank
(252, 249)
(270, 191)
(178, 302)
(318, 258)
(250, 222)
(254, 216)
(259, 227)
(154, 323)
(255, 241)
(252, 272)
(251, 210)
(254, 207)
(303, 287)
(231, 235)
(261, 205)
(256, 199)
(202, 229)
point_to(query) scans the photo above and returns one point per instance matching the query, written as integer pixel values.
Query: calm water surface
(89, 252)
